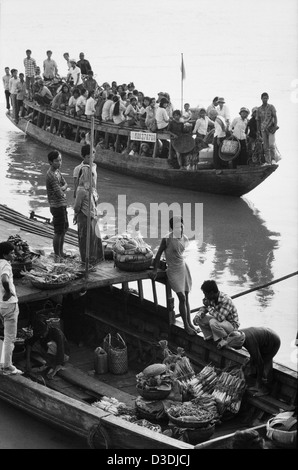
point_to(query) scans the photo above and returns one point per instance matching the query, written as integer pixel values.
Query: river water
(229, 51)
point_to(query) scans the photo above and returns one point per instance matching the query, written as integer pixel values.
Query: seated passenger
(162, 117)
(72, 102)
(143, 112)
(61, 100)
(81, 103)
(150, 120)
(131, 112)
(90, 104)
(116, 110)
(145, 150)
(105, 114)
(90, 83)
(43, 96)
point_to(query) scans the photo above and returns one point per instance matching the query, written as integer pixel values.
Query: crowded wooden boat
(119, 149)
(102, 405)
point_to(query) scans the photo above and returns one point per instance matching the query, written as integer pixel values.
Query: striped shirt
(224, 309)
(56, 196)
(30, 67)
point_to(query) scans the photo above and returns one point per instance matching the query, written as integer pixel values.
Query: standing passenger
(267, 126)
(30, 69)
(56, 187)
(9, 309)
(50, 68)
(21, 94)
(178, 273)
(238, 128)
(5, 80)
(13, 93)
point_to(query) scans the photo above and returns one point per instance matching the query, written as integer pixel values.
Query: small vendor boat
(81, 398)
(62, 132)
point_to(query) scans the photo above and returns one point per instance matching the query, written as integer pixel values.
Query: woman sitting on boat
(50, 342)
(81, 102)
(71, 108)
(61, 100)
(150, 120)
(162, 117)
(132, 113)
(105, 113)
(116, 111)
(178, 273)
(90, 104)
(143, 112)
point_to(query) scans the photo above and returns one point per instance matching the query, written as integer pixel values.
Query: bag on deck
(117, 353)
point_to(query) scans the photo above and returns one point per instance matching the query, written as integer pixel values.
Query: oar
(256, 288)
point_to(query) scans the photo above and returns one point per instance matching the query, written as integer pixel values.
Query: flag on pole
(182, 68)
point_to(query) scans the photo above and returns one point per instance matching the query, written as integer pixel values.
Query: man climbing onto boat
(178, 273)
(219, 317)
(9, 308)
(56, 187)
(262, 343)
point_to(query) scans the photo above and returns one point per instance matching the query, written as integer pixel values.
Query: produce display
(155, 377)
(21, 249)
(178, 363)
(191, 414)
(45, 271)
(130, 251)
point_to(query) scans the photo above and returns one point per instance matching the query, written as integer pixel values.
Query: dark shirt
(252, 126)
(262, 344)
(84, 66)
(176, 127)
(56, 335)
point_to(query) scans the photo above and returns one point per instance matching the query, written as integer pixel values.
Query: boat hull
(228, 182)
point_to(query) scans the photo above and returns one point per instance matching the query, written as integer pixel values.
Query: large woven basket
(49, 285)
(138, 265)
(189, 423)
(229, 149)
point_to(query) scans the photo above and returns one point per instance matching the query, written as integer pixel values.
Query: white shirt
(162, 118)
(5, 268)
(105, 115)
(202, 125)
(238, 127)
(218, 128)
(81, 103)
(13, 85)
(90, 107)
(6, 79)
(74, 73)
(224, 112)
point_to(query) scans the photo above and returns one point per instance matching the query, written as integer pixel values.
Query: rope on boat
(95, 436)
(256, 288)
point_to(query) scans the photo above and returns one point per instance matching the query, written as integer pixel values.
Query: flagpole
(89, 201)
(182, 73)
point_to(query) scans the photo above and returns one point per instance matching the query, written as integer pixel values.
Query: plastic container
(100, 361)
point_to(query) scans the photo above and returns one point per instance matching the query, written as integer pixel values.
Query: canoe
(142, 311)
(206, 179)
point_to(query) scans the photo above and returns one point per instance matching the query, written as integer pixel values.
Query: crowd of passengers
(79, 95)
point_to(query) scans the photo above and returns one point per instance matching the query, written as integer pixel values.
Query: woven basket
(117, 354)
(229, 149)
(189, 423)
(200, 434)
(18, 266)
(153, 394)
(138, 265)
(48, 285)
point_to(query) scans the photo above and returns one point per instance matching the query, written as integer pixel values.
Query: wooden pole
(182, 66)
(89, 202)
(256, 288)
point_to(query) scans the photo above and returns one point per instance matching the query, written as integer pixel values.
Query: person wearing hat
(223, 110)
(238, 128)
(212, 106)
(74, 75)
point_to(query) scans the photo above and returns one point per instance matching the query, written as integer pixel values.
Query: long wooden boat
(140, 309)
(40, 123)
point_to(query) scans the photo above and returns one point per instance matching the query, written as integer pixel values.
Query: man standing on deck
(267, 126)
(5, 80)
(56, 188)
(84, 64)
(50, 68)
(30, 69)
(9, 309)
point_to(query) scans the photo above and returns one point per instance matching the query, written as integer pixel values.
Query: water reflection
(237, 248)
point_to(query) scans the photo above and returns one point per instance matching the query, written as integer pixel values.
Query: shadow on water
(236, 247)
